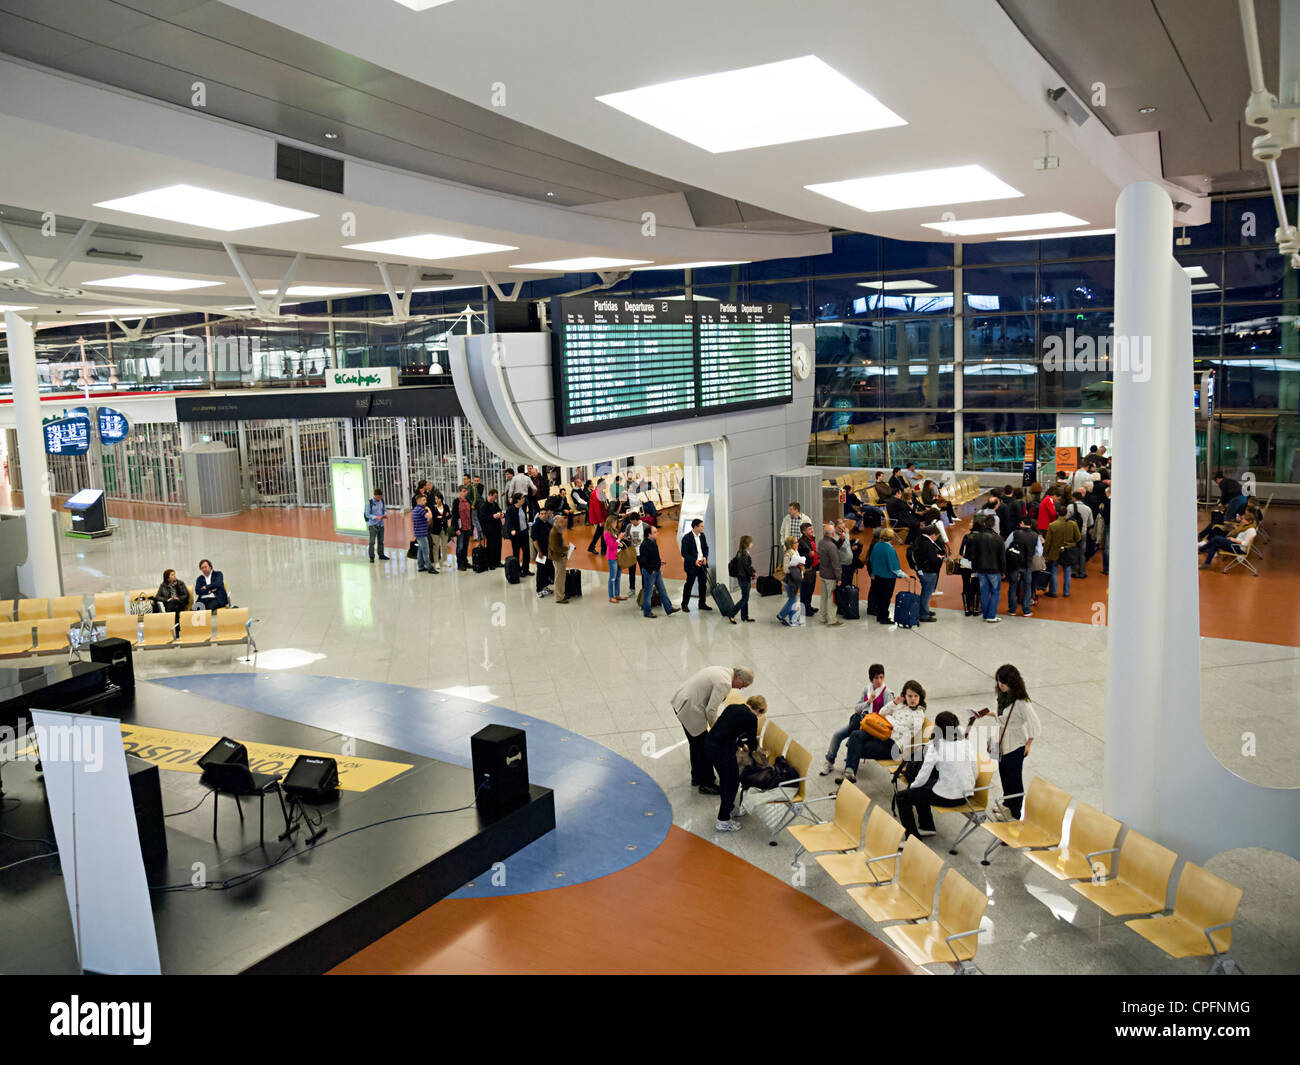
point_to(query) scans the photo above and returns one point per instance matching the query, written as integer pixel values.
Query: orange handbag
(877, 725)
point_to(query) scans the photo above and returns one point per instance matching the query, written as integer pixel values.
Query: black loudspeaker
(500, 756)
(225, 752)
(146, 796)
(312, 779)
(116, 654)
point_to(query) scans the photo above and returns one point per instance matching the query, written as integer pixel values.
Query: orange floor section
(689, 907)
(1234, 606)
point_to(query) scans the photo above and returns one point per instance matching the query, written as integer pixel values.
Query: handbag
(952, 565)
(1038, 564)
(626, 557)
(142, 604)
(877, 726)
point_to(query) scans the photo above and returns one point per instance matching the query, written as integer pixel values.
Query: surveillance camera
(1065, 102)
(1180, 206)
(1056, 94)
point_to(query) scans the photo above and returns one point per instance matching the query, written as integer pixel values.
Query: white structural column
(1160, 776)
(39, 575)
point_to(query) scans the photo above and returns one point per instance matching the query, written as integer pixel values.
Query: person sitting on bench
(1235, 545)
(952, 757)
(210, 588)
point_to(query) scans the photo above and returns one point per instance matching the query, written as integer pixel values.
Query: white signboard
(367, 378)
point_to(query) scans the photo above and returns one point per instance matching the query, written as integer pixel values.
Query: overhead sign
(349, 491)
(68, 436)
(113, 426)
(745, 355)
(361, 377)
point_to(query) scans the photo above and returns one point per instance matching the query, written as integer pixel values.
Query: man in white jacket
(696, 705)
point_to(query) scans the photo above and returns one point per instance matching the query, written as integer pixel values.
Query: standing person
(792, 524)
(596, 513)
(557, 550)
(792, 566)
(376, 513)
(1061, 542)
(616, 496)
(612, 544)
(988, 560)
(970, 585)
(490, 524)
(1046, 511)
(520, 484)
(210, 588)
(1103, 520)
(1021, 547)
(695, 558)
(735, 729)
(422, 487)
(652, 572)
(1081, 514)
(882, 562)
(950, 758)
(633, 534)
(695, 705)
(742, 568)
(1011, 737)
(439, 522)
(906, 713)
(516, 522)
(420, 527)
(542, 565)
(476, 499)
(462, 524)
(812, 565)
(874, 698)
(927, 557)
(828, 553)
(847, 561)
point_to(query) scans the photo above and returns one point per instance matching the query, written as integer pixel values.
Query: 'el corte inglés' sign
(365, 377)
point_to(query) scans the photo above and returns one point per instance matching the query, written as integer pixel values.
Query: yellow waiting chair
(843, 832)
(1092, 838)
(875, 861)
(109, 605)
(953, 937)
(52, 636)
(911, 896)
(15, 639)
(1142, 883)
(976, 807)
(157, 631)
(1045, 806)
(32, 609)
(196, 628)
(1205, 909)
(6, 610)
(66, 606)
(123, 627)
(232, 627)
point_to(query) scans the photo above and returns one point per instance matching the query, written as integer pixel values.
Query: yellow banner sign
(181, 751)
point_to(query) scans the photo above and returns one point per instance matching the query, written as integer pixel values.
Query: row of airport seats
(45, 626)
(859, 848)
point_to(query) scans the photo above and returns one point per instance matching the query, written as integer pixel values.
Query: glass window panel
(999, 251)
(1258, 274)
(795, 293)
(914, 254)
(1205, 331)
(775, 269)
(850, 253)
(1267, 446)
(994, 441)
(918, 363)
(1209, 235)
(1258, 383)
(1249, 221)
(923, 438)
(847, 438)
(1258, 329)
(1001, 288)
(843, 298)
(1077, 284)
(1082, 379)
(996, 336)
(1077, 247)
(1205, 271)
(1009, 383)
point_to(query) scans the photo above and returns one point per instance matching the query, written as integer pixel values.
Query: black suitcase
(572, 583)
(722, 596)
(769, 585)
(512, 570)
(479, 559)
(547, 571)
(847, 604)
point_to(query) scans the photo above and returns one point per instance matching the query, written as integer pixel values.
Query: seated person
(1234, 545)
(648, 512)
(906, 712)
(900, 513)
(172, 595)
(946, 777)
(874, 698)
(210, 588)
(561, 502)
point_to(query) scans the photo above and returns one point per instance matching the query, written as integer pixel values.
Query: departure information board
(744, 354)
(620, 362)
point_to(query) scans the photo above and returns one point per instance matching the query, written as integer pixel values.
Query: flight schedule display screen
(744, 355)
(621, 361)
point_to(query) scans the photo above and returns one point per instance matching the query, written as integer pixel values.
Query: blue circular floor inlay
(609, 813)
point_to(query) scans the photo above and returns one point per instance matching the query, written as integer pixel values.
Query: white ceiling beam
(70, 252)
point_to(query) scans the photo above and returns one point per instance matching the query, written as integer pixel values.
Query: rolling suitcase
(847, 604)
(769, 585)
(907, 609)
(722, 596)
(572, 583)
(512, 570)
(479, 559)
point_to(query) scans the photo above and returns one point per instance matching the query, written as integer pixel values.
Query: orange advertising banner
(1067, 459)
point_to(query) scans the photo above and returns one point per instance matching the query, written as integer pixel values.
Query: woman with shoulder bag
(1009, 743)
(903, 719)
(742, 568)
(793, 567)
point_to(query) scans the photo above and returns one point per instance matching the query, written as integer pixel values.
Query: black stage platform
(306, 914)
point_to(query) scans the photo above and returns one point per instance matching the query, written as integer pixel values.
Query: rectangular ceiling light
(591, 262)
(920, 188)
(1195, 271)
(153, 282)
(205, 208)
(16, 307)
(1006, 224)
(430, 246)
(314, 290)
(129, 312)
(422, 5)
(774, 103)
(1208, 286)
(1055, 236)
(694, 266)
(6, 265)
(890, 285)
(443, 288)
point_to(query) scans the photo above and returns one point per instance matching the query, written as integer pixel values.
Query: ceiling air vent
(308, 168)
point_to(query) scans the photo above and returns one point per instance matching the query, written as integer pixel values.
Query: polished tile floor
(603, 671)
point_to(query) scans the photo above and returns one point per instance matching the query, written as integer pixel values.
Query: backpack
(732, 566)
(1072, 512)
(1016, 555)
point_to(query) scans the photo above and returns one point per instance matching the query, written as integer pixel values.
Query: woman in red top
(1046, 512)
(596, 514)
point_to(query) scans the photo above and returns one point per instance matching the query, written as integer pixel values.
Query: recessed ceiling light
(694, 266)
(1195, 271)
(204, 208)
(331, 136)
(889, 285)
(920, 188)
(6, 265)
(16, 307)
(1146, 110)
(430, 246)
(1006, 223)
(550, 194)
(591, 262)
(443, 288)
(247, 307)
(153, 282)
(1206, 286)
(129, 312)
(774, 103)
(314, 290)
(422, 5)
(1054, 236)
